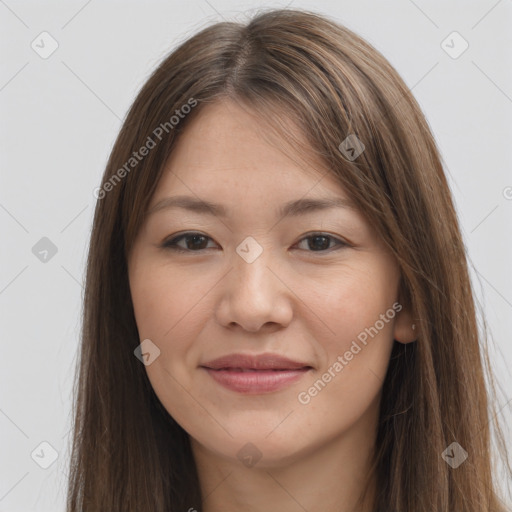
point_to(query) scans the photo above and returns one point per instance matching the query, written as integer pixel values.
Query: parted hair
(292, 66)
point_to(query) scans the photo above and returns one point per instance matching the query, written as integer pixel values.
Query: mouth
(255, 374)
(244, 370)
(258, 362)
(256, 381)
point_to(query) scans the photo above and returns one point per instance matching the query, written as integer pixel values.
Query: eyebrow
(294, 208)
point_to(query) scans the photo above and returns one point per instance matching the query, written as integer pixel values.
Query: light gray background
(60, 116)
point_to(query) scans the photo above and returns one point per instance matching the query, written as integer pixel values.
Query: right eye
(194, 242)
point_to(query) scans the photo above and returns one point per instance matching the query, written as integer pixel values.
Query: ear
(404, 330)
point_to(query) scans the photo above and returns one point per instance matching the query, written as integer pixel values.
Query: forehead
(227, 148)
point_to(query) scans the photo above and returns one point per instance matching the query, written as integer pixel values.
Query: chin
(255, 447)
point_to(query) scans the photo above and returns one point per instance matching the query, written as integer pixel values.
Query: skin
(294, 299)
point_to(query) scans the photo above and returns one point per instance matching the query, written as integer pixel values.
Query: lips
(255, 374)
(262, 362)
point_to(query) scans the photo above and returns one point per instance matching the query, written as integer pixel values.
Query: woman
(278, 313)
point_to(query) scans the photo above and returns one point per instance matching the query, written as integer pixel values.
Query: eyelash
(171, 244)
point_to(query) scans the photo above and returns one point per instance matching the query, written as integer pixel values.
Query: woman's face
(315, 286)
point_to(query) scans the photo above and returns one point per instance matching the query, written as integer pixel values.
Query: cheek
(359, 313)
(346, 387)
(354, 302)
(170, 313)
(163, 307)
(162, 301)
(150, 301)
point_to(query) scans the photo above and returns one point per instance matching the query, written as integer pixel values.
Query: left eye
(195, 242)
(322, 242)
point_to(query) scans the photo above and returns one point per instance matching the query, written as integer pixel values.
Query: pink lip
(255, 374)
(254, 362)
(256, 381)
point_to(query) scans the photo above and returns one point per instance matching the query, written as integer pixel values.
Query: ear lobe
(404, 330)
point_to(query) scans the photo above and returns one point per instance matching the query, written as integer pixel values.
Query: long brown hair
(128, 453)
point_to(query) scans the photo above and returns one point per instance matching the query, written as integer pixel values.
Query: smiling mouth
(256, 381)
(259, 370)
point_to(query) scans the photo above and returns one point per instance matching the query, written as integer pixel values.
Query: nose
(254, 295)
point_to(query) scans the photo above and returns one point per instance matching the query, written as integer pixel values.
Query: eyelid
(171, 242)
(340, 242)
